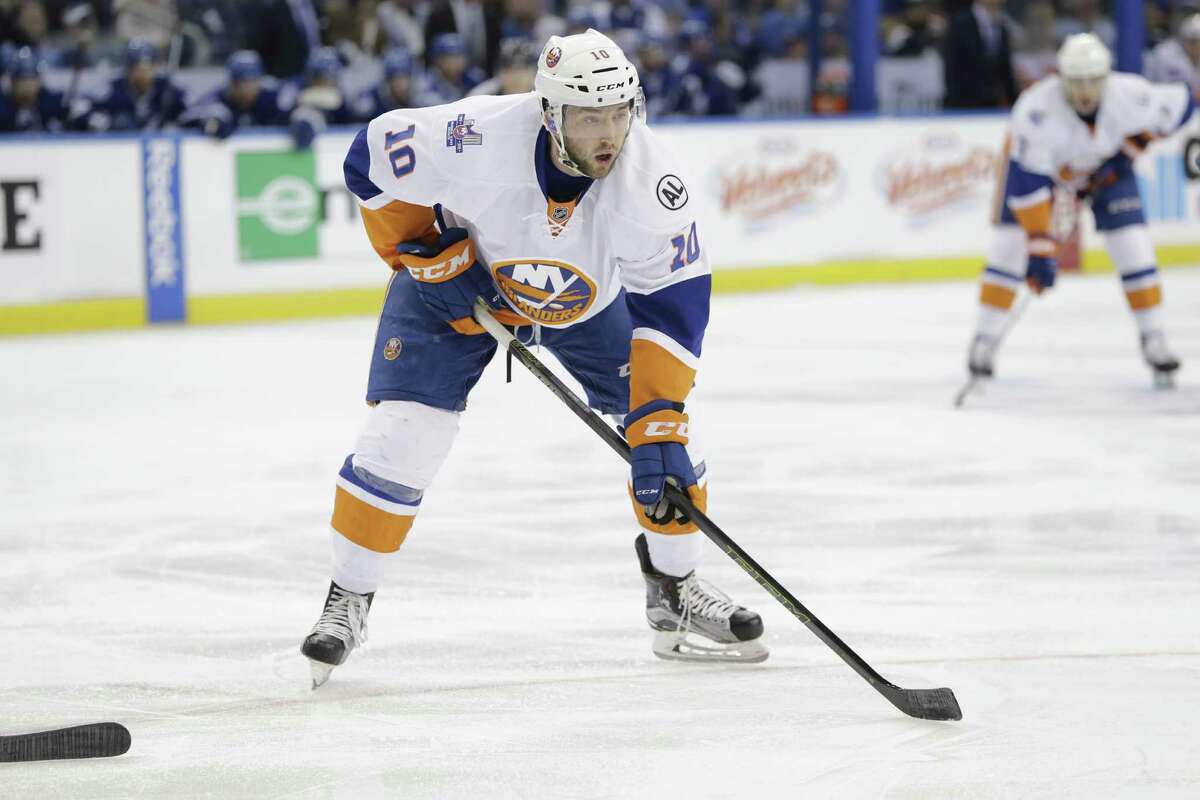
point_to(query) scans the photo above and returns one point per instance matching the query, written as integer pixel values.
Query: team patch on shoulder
(391, 350)
(672, 193)
(461, 132)
(546, 291)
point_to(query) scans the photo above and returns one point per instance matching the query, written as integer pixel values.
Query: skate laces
(345, 617)
(701, 599)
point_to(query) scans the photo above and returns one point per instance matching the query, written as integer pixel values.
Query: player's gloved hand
(1041, 272)
(657, 433)
(1135, 145)
(449, 277)
(1106, 175)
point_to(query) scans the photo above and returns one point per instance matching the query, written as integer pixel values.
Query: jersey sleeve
(668, 298)
(391, 169)
(1171, 106)
(1029, 182)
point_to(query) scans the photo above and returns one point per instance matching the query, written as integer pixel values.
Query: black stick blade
(97, 740)
(939, 704)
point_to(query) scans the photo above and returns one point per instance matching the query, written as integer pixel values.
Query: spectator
(661, 82)
(448, 77)
(708, 87)
(249, 98)
(1037, 47)
(518, 63)
(141, 99)
(153, 21)
(397, 88)
(217, 24)
(477, 24)
(527, 19)
(401, 23)
(29, 25)
(284, 32)
(28, 105)
(918, 30)
(785, 77)
(1082, 16)
(978, 58)
(1178, 59)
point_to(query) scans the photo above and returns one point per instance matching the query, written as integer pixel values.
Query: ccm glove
(449, 277)
(657, 433)
(1043, 263)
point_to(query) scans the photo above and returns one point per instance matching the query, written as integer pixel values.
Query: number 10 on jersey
(403, 159)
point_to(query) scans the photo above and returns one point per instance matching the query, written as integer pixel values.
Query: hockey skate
(980, 358)
(693, 621)
(1162, 362)
(341, 628)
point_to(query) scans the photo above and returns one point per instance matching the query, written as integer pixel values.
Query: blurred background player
(141, 99)
(449, 76)
(249, 98)
(397, 88)
(27, 105)
(1080, 129)
(320, 100)
(1178, 58)
(617, 289)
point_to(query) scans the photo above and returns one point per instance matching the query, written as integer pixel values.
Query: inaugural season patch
(461, 132)
(546, 291)
(672, 193)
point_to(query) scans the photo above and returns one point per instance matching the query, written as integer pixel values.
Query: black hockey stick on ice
(97, 740)
(976, 380)
(937, 704)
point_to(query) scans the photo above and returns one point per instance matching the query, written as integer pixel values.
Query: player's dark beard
(579, 161)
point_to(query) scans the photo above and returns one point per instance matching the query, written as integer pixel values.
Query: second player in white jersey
(564, 211)
(1078, 131)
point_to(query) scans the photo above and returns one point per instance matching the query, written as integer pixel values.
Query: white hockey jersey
(1169, 63)
(555, 263)
(1048, 138)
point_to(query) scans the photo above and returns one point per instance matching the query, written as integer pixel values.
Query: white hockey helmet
(587, 70)
(1083, 56)
(1083, 65)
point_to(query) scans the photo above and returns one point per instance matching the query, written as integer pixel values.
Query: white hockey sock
(355, 567)
(1149, 320)
(991, 320)
(676, 554)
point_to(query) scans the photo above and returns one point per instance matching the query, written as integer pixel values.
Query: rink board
(117, 231)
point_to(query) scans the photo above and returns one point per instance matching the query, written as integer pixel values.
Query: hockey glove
(657, 432)
(449, 277)
(1041, 272)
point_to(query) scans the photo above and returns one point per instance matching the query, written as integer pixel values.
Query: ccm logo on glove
(440, 271)
(656, 428)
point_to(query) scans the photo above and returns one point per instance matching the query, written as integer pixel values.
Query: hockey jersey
(1049, 142)
(555, 263)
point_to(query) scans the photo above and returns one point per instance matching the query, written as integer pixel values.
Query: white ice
(163, 551)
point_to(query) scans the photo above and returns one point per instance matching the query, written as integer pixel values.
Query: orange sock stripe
(996, 296)
(699, 495)
(1141, 299)
(368, 526)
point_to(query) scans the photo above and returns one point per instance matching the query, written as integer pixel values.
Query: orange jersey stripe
(395, 223)
(655, 374)
(368, 526)
(1141, 299)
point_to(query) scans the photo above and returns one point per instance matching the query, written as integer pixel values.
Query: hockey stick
(939, 704)
(976, 380)
(97, 740)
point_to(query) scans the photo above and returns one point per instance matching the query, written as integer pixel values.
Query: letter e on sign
(671, 192)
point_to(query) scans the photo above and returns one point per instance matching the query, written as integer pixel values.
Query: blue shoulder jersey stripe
(1022, 183)
(357, 167)
(679, 310)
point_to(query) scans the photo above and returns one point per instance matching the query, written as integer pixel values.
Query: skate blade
(320, 673)
(672, 646)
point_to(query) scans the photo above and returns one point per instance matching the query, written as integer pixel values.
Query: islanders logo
(552, 57)
(547, 292)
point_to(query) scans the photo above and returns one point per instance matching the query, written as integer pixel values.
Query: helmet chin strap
(562, 157)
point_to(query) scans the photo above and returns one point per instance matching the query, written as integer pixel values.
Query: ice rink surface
(163, 551)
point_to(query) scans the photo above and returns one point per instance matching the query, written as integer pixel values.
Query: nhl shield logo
(552, 57)
(391, 350)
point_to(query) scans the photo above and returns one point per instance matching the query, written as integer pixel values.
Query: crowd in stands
(307, 64)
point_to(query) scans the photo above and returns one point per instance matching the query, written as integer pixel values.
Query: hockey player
(1080, 129)
(250, 98)
(140, 99)
(565, 212)
(29, 106)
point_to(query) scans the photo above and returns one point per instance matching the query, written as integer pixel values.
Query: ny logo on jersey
(546, 291)
(461, 132)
